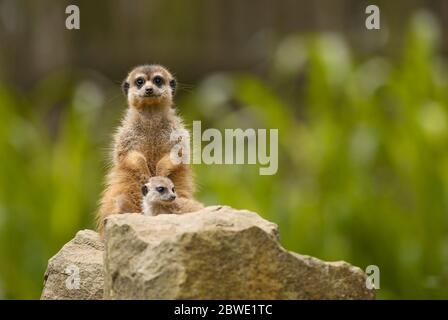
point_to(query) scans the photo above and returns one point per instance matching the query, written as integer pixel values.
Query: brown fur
(178, 206)
(140, 142)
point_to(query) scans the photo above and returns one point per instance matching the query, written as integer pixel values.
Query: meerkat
(142, 140)
(159, 197)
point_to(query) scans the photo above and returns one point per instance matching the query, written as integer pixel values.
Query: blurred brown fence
(193, 37)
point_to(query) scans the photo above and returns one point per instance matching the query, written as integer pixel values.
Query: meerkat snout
(149, 91)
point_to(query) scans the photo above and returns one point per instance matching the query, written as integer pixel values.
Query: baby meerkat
(142, 141)
(159, 197)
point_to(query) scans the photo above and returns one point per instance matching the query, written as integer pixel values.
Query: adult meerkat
(159, 197)
(142, 141)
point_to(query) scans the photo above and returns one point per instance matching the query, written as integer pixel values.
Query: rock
(76, 271)
(216, 253)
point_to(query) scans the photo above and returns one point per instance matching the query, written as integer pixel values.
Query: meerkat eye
(139, 82)
(158, 80)
(160, 189)
(145, 190)
(173, 190)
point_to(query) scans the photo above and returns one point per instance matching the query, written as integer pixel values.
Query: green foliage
(363, 159)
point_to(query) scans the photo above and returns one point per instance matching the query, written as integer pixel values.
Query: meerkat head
(159, 189)
(149, 85)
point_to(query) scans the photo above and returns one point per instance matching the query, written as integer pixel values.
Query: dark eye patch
(145, 190)
(158, 81)
(139, 82)
(160, 189)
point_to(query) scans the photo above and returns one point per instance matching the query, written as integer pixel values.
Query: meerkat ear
(125, 87)
(144, 190)
(173, 84)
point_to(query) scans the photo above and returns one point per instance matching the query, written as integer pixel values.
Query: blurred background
(362, 118)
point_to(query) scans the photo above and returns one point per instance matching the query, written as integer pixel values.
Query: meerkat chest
(154, 209)
(148, 134)
(154, 136)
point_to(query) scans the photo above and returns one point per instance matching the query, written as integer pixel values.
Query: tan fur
(178, 206)
(140, 142)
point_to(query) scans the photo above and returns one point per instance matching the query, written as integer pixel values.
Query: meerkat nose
(149, 90)
(172, 197)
